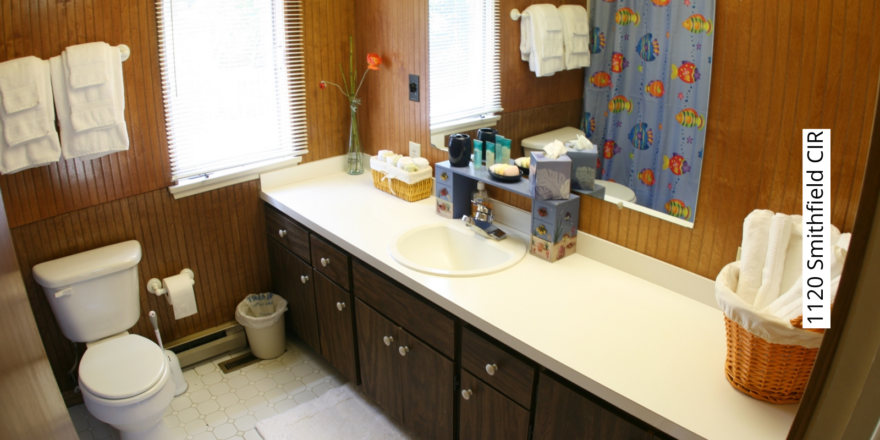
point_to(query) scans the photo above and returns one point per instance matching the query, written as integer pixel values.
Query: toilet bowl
(126, 383)
(125, 379)
(618, 191)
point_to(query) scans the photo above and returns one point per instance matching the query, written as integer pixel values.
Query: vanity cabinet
(293, 279)
(336, 325)
(486, 414)
(561, 413)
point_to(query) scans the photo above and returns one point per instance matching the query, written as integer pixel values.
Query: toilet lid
(122, 367)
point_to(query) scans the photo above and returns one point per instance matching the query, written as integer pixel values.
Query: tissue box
(583, 168)
(549, 179)
(554, 228)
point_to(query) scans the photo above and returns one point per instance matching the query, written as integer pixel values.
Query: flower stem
(362, 83)
(340, 89)
(343, 79)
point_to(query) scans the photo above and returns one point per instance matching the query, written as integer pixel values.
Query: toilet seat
(122, 367)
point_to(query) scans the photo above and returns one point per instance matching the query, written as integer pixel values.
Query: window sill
(439, 133)
(229, 177)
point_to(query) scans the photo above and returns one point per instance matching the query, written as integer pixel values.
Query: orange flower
(373, 61)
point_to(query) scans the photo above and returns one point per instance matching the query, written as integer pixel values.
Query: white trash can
(261, 315)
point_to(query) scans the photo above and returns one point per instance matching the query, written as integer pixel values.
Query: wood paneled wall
(74, 206)
(779, 67)
(218, 234)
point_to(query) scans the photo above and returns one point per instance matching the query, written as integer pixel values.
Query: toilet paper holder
(155, 285)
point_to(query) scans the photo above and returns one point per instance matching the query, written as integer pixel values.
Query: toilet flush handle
(63, 292)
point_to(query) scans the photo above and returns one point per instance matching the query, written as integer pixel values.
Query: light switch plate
(415, 150)
(413, 88)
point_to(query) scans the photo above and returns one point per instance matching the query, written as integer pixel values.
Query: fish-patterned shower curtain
(647, 96)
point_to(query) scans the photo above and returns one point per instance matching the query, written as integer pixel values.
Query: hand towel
(18, 85)
(404, 161)
(88, 64)
(793, 309)
(421, 162)
(777, 245)
(37, 151)
(546, 43)
(100, 141)
(384, 153)
(756, 231)
(575, 36)
(525, 34)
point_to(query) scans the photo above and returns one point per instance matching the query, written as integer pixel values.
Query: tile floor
(219, 406)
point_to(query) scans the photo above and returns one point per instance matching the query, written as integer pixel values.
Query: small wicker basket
(406, 191)
(775, 373)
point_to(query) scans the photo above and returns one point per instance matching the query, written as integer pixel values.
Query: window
(463, 43)
(233, 86)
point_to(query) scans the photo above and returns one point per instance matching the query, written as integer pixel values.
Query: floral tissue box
(549, 179)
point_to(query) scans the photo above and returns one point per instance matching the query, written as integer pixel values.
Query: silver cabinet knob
(340, 306)
(388, 340)
(304, 279)
(325, 262)
(466, 394)
(491, 369)
(282, 233)
(403, 350)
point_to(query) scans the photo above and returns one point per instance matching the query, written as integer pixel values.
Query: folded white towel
(88, 64)
(404, 161)
(794, 256)
(384, 153)
(393, 159)
(91, 111)
(546, 42)
(421, 162)
(756, 231)
(575, 36)
(18, 86)
(525, 35)
(35, 151)
(777, 245)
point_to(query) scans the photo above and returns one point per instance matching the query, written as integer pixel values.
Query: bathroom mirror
(646, 101)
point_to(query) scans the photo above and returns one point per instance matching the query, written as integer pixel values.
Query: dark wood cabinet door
(485, 414)
(427, 389)
(379, 363)
(336, 326)
(287, 280)
(563, 414)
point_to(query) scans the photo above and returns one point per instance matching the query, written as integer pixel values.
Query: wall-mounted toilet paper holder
(155, 285)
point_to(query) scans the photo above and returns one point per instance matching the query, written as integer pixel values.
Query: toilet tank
(93, 294)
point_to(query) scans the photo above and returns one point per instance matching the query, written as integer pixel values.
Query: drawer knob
(340, 306)
(403, 350)
(466, 394)
(491, 369)
(282, 233)
(325, 262)
(304, 279)
(388, 340)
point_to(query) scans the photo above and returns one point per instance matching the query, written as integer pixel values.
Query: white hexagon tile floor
(219, 406)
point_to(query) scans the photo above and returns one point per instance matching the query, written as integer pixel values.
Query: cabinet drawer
(509, 374)
(330, 261)
(403, 308)
(288, 233)
(486, 414)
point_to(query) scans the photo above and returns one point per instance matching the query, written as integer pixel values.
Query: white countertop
(648, 350)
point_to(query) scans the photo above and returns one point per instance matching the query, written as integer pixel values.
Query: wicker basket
(409, 192)
(775, 373)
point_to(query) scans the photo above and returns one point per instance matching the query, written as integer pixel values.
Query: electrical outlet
(414, 88)
(415, 150)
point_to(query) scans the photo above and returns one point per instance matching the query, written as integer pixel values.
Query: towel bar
(515, 14)
(124, 52)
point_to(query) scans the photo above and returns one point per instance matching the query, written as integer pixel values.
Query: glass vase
(355, 149)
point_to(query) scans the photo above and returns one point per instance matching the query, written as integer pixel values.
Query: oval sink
(451, 249)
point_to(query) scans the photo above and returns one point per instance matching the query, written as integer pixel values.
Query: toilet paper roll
(180, 295)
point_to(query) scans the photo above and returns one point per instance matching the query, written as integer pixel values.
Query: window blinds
(233, 83)
(463, 43)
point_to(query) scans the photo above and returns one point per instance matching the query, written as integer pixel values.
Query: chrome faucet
(482, 225)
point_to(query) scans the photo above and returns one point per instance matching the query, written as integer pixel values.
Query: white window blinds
(463, 43)
(233, 83)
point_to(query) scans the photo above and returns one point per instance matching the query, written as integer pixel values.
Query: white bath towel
(97, 114)
(88, 64)
(421, 162)
(777, 246)
(756, 231)
(525, 34)
(794, 256)
(31, 128)
(546, 42)
(575, 36)
(18, 84)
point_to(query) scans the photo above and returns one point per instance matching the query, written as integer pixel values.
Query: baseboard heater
(206, 344)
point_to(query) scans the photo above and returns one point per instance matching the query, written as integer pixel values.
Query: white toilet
(125, 379)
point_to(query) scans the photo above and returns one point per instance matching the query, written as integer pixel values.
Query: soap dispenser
(481, 196)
